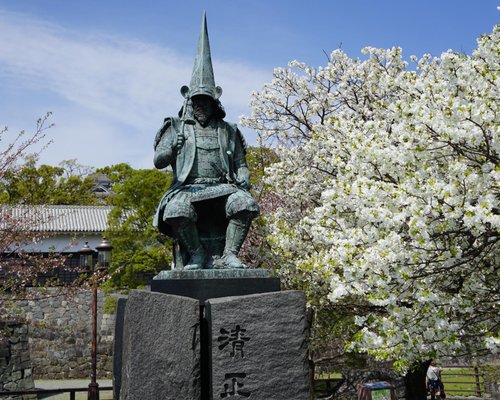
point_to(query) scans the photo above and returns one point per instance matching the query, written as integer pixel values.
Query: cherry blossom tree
(389, 188)
(15, 230)
(20, 269)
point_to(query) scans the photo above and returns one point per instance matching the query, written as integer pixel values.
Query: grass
(460, 381)
(328, 375)
(457, 381)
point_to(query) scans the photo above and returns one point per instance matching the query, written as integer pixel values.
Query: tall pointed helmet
(202, 78)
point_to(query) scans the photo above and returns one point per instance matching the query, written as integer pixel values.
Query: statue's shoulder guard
(167, 123)
(238, 136)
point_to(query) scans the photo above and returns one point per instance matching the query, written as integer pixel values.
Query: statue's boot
(236, 233)
(187, 234)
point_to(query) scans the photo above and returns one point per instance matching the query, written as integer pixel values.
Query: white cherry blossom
(390, 186)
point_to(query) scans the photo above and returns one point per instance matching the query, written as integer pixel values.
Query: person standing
(433, 382)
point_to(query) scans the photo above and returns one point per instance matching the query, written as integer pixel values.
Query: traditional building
(102, 186)
(60, 229)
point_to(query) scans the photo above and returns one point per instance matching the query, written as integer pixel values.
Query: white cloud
(111, 93)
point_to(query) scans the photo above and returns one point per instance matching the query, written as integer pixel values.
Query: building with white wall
(60, 229)
(65, 228)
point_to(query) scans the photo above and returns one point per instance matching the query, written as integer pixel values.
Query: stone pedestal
(257, 347)
(206, 284)
(161, 348)
(233, 334)
(118, 347)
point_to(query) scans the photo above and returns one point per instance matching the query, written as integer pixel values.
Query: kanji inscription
(236, 338)
(234, 386)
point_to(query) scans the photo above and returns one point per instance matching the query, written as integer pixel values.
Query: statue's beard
(202, 117)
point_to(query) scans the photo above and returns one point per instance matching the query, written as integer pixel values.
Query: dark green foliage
(258, 158)
(256, 250)
(109, 305)
(139, 251)
(45, 184)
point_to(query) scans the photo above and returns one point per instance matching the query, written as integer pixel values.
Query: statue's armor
(208, 208)
(207, 164)
(214, 155)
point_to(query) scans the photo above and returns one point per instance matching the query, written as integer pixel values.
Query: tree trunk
(415, 382)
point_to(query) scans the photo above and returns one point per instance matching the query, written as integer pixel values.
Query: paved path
(73, 383)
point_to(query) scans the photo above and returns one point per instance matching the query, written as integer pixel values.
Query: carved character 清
(236, 337)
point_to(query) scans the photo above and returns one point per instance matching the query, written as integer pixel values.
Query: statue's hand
(243, 178)
(165, 143)
(245, 185)
(180, 140)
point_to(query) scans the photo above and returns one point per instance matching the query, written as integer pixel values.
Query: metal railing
(72, 391)
(326, 386)
(476, 380)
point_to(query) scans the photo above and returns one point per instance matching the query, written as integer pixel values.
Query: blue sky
(111, 70)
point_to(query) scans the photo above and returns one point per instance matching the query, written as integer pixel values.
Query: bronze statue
(208, 208)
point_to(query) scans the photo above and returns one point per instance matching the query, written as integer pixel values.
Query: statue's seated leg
(237, 230)
(186, 233)
(241, 208)
(181, 217)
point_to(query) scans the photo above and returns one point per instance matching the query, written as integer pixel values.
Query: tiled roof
(49, 218)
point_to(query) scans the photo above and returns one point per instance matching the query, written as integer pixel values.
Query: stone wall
(15, 365)
(60, 335)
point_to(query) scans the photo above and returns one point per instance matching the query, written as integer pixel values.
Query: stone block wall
(15, 364)
(59, 331)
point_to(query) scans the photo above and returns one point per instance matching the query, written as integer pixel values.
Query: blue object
(378, 385)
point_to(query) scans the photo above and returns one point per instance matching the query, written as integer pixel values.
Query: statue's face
(203, 109)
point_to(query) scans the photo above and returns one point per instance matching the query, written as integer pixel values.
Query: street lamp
(103, 261)
(86, 254)
(104, 253)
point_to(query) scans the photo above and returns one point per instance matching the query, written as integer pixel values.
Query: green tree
(258, 159)
(256, 251)
(138, 248)
(46, 184)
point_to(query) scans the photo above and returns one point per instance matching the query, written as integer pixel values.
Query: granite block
(161, 348)
(118, 346)
(258, 347)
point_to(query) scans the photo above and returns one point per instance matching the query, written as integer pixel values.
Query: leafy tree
(15, 233)
(45, 184)
(138, 248)
(74, 168)
(255, 251)
(389, 189)
(258, 159)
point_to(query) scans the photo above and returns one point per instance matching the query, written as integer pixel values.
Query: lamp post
(86, 254)
(103, 261)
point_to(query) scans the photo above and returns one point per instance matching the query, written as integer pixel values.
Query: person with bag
(434, 383)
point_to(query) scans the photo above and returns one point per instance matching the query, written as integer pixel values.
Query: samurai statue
(208, 208)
